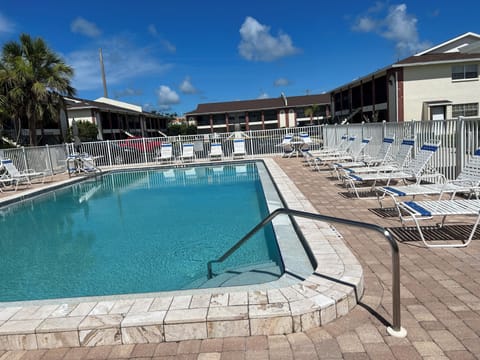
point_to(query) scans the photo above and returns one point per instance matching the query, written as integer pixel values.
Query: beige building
(439, 83)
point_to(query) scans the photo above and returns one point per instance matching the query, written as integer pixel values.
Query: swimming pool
(138, 232)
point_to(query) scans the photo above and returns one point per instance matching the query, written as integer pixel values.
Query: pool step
(253, 274)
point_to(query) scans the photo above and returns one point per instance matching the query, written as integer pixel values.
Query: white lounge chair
(166, 153)
(239, 148)
(376, 160)
(287, 147)
(421, 210)
(411, 172)
(352, 155)
(216, 152)
(400, 160)
(467, 181)
(187, 152)
(343, 149)
(15, 177)
(307, 141)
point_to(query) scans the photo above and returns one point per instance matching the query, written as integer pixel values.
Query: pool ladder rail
(396, 328)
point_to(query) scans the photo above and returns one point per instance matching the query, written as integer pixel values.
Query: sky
(171, 56)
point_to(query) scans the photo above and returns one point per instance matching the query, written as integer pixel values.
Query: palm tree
(33, 81)
(311, 111)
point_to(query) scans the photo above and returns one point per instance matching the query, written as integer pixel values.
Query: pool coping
(330, 292)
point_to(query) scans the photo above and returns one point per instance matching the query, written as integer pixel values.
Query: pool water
(133, 232)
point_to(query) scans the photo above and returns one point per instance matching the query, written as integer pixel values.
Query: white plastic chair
(216, 152)
(187, 152)
(239, 148)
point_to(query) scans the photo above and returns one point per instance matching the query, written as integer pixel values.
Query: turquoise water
(132, 232)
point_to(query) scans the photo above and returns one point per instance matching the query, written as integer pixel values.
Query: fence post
(25, 160)
(109, 153)
(460, 149)
(49, 157)
(145, 150)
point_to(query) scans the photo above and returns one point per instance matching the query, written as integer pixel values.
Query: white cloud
(167, 97)
(152, 29)
(258, 44)
(127, 92)
(186, 86)
(6, 26)
(85, 27)
(123, 61)
(397, 25)
(263, 95)
(281, 82)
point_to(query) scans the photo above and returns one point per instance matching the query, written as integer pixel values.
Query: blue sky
(171, 56)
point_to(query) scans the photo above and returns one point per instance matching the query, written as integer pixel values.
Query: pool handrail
(396, 329)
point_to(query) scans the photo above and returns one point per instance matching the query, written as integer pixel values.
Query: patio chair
(343, 149)
(307, 141)
(390, 164)
(287, 147)
(216, 152)
(187, 152)
(239, 148)
(15, 177)
(166, 153)
(368, 161)
(421, 210)
(411, 172)
(467, 181)
(351, 155)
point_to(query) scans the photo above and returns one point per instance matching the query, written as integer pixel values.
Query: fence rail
(459, 139)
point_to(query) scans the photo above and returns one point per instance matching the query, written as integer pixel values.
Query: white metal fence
(459, 139)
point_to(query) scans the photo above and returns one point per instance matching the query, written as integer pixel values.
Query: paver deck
(440, 300)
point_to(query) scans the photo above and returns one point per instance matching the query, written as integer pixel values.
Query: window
(460, 72)
(465, 110)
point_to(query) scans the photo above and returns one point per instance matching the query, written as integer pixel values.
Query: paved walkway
(440, 298)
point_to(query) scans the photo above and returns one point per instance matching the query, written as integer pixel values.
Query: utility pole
(102, 68)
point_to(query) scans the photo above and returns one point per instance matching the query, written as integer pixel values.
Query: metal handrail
(396, 328)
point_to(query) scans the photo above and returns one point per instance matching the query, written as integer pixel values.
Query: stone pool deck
(440, 300)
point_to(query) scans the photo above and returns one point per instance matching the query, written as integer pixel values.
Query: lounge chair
(343, 149)
(15, 177)
(378, 159)
(239, 148)
(166, 153)
(398, 162)
(467, 181)
(307, 141)
(287, 147)
(351, 155)
(187, 152)
(411, 172)
(216, 152)
(421, 210)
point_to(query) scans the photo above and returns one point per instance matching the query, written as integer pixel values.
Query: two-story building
(439, 83)
(261, 114)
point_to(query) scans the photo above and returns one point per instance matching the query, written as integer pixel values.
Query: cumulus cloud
(127, 92)
(152, 29)
(85, 27)
(281, 82)
(6, 26)
(123, 61)
(166, 97)
(186, 86)
(257, 44)
(397, 25)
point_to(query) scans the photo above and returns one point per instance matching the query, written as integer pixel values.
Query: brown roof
(260, 104)
(438, 57)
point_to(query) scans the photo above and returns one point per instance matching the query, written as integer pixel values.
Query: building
(439, 83)
(260, 114)
(113, 118)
